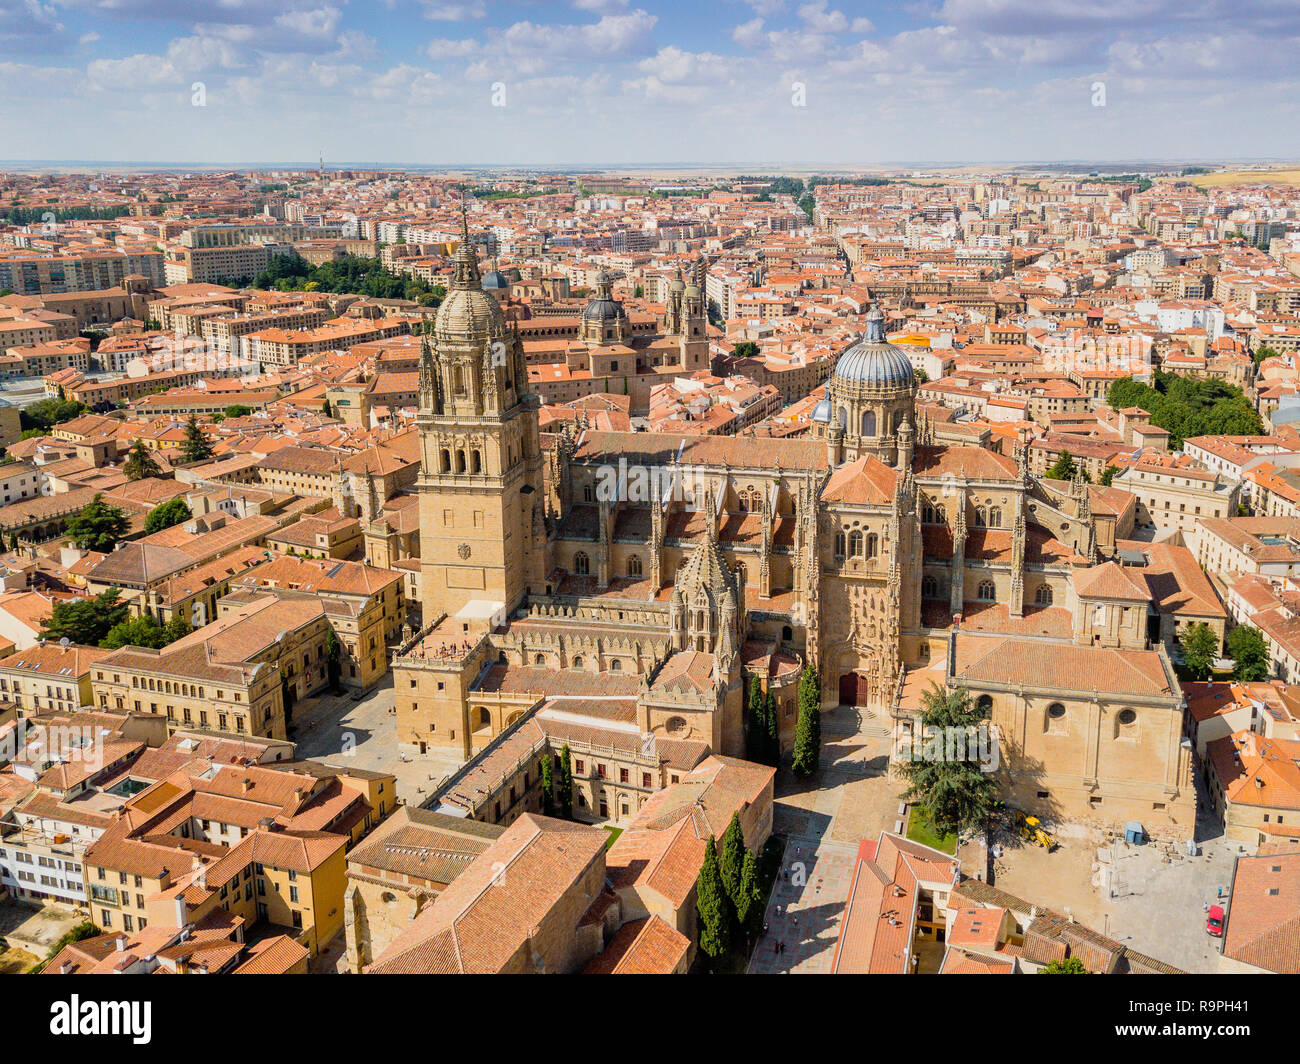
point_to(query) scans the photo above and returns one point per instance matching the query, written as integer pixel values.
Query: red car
(1214, 921)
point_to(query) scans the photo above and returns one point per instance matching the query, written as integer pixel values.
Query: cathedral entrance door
(855, 690)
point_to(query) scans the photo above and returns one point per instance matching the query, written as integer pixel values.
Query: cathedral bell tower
(483, 535)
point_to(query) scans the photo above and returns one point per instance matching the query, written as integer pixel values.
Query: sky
(554, 83)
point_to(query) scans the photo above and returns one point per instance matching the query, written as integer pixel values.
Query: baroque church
(614, 590)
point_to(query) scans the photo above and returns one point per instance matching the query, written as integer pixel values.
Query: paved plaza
(823, 820)
(343, 733)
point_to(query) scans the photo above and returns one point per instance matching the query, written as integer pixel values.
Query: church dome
(468, 313)
(873, 360)
(603, 306)
(495, 280)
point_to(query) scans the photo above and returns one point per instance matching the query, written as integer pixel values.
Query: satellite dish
(65, 641)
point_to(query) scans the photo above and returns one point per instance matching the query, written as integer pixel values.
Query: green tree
(773, 731)
(732, 859)
(327, 409)
(957, 794)
(177, 627)
(548, 784)
(86, 620)
(167, 514)
(1107, 475)
(142, 631)
(49, 412)
(808, 726)
(140, 463)
(333, 659)
(756, 723)
(713, 908)
(1249, 653)
(1068, 966)
(745, 349)
(238, 410)
(1200, 648)
(565, 784)
(197, 447)
(1064, 469)
(98, 526)
(749, 899)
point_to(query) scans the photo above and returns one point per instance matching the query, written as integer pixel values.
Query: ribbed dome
(873, 360)
(495, 279)
(603, 307)
(468, 313)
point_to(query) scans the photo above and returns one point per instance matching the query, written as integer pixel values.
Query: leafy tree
(98, 526)
(1064, 469)
(142, 631)
(197, 447)
(957, 794)
(1200, 648)
(733, 857)
(1264, 352)
(167, 514)
(745, 349)
(921, 376)
(238, 410)
(1187, 406)
(566, 784)
(1249, 653)
(177, 627)
(1107, 475)
(713, 908)
(140, 464)
(808, 726)
(1068, 966)
(86, 620)
(328, 409)
(49, 412)
(548, 784)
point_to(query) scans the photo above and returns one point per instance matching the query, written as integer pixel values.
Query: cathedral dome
(495, 280)
(822, 411)
(873, 360)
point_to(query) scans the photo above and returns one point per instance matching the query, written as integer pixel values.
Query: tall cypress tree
(756, 724)
(712, 907)
(808, 728)
(548, 784)
(733, 858)
(773, 732)
(566, 784)
(748, 899)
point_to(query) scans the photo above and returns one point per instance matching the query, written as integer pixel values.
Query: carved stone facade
(683, 561)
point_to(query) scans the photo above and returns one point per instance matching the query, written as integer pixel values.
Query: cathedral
(615, 590)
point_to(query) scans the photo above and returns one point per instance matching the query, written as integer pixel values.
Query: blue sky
(580, 82)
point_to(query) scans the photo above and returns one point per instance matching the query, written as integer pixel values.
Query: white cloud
(464, 12)
(443, 48)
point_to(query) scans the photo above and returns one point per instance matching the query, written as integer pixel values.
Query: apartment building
(1175, 499)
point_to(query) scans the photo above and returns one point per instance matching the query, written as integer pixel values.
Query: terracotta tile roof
(648, 946)
(482, 921)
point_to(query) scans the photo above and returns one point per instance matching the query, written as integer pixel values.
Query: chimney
(120, 942)
(246, 785)
(65, 968)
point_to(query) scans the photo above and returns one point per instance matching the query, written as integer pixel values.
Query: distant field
(1247, 177)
